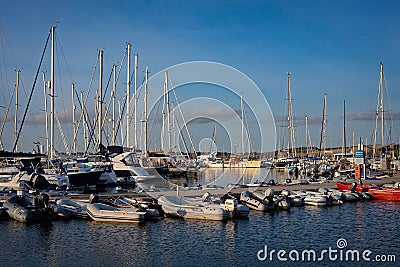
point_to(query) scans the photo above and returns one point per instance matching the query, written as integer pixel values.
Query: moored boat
(350, 186)
(76, 208)
(108, 213)
(390, 194)
(29, 209)
(181, 207)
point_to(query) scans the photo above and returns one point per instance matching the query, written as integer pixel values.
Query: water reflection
(365, 225)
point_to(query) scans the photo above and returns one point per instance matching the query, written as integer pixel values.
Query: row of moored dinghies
(24, 207)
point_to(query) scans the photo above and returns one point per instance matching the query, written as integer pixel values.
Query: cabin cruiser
(127, 164)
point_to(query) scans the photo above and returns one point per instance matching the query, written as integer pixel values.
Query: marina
(133, 134)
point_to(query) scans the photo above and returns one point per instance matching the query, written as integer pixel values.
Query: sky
(332, 47)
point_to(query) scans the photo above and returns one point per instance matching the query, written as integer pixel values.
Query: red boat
(391, 194)
(359, 187)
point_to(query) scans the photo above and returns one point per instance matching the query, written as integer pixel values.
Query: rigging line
(30, 96)
(109, 103)
(2, 29)
(120, 117)
(62, 96)
(5, 66)
(63, 54)
(62, 134)
(5, 118)
(183, 118)
(153, 122)
(84, 112)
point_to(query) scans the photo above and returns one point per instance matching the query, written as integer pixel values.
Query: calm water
(171, 242)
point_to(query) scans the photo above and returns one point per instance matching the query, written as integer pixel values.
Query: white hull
(107, 213)
(181, 207)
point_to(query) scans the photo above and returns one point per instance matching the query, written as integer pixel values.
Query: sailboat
(240, 160)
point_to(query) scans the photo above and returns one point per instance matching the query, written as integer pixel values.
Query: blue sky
(332, 47)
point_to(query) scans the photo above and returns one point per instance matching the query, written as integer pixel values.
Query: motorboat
(127, 164)
(233, 209)
(82, 173)
(186, 208)
(353, 186)
(152, 210)
(108, 213)
(258, 201)
(29, 209)
(390, 194)
(75, 207)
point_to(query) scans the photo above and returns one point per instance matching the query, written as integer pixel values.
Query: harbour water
(361, 226)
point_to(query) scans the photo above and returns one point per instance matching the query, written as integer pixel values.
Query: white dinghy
(181, 207)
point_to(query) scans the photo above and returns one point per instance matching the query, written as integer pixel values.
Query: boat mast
(45, 111)
(73, 117)
(307, 135)
(100, 96)
(145, 111)
(84, 125)
(135, 101)
(344, 129)
(113, 103)
(16, 110)
(242, 109)
(128, 97)
(168, 111)
(52, 85)
(322, 143)
(291, 137)
(382, 85)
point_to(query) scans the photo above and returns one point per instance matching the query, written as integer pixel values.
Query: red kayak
(359, 187)
(391, 194)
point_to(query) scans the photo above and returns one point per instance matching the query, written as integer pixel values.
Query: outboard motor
(269, 194)
(397, 185)
(206, 197)
(285, 193)
(94, 198)
(353, 187)
(324, 191)
(45, 199)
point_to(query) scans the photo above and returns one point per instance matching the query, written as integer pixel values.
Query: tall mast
(73, 117)
(291, 137)
(52, 85)
(307, 135)
(135, 101)
(322, 142)
(113, 103)
(145, 111)
(45, 111)
(16, 110)
(242, 110)
(382, 84)
(100, 96)
(85, 139)
(128, 97)
(163, 114)
(168, 111)
(344, 127)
